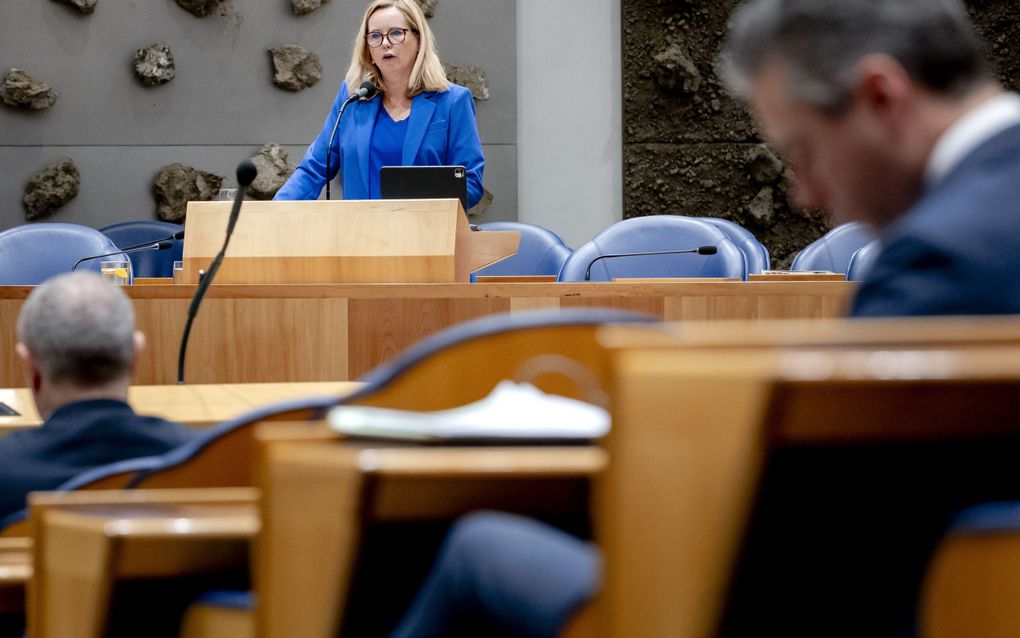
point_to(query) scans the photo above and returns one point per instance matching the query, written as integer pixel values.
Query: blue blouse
(386, 149)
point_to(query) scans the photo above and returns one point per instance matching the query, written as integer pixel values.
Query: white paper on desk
(512, 411)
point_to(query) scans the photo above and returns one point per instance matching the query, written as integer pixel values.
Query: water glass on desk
(116, 271)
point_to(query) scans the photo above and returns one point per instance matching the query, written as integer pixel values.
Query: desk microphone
(179, 235)
(700, 250)
(246, 173)
(162, 244)
(366, 91)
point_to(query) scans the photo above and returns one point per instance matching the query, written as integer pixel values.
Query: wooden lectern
(320, 242)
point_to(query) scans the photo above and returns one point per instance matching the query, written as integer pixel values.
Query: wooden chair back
(699, 436)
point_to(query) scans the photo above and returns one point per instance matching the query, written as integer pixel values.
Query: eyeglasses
(395, 35)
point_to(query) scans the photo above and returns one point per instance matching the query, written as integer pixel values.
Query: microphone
(179, 235)
(700, 250)
(366, 91)
(156, 245)
(246, 173)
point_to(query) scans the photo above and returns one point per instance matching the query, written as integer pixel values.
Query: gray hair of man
(820, 41)
(79, 329)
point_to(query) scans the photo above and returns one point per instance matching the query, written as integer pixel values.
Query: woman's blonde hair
(427, 73)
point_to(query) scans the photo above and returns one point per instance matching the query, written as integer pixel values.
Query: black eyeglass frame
(388, 36)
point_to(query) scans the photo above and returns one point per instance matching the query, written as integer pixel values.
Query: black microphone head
(707, 250)
(367, 90)
(246, 173)
(164, 245)
(179, 235)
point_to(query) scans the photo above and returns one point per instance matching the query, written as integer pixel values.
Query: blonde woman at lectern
(402, 112)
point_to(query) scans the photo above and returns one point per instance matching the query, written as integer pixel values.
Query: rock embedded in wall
(154, 65)
(273, 167)
(304, 7)
(176, 185)
(20, 90)
(482, 205)
(200, 8)
(674, 70)
(294, 67)
(471, 77)
(85, 6)
(51, 188)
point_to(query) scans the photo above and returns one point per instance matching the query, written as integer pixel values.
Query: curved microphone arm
(246, 173)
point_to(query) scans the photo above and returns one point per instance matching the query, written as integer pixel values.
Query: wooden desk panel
(269, 333)
(194, 405)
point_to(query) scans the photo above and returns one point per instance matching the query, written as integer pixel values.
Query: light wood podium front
(330, 242)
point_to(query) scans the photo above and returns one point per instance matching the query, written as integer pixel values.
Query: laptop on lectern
(424, 182)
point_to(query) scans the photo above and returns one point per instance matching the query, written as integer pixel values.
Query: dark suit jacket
(77, 437)
(957, 251)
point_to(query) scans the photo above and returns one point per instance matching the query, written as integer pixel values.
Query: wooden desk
(86, 541)
(268, 333)
(317, 498)
(194, 405)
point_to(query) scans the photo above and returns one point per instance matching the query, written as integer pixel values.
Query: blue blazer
(440, 131)
(957, 251)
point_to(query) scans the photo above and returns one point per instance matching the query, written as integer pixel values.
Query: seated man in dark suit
(77, 339)
(888, 115)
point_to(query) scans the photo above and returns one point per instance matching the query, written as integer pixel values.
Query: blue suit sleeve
(310, 177)
(911, 278)
(465, 146)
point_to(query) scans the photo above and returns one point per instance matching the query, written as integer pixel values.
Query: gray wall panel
(222, 104)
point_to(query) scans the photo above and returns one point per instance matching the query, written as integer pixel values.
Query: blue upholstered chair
(832, 251)
(656, 233)
(541, 252)
(862, 260)
(32, 253)
(757, 254)
(148, 263)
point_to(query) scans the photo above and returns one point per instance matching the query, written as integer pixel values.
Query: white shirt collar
(970, 131)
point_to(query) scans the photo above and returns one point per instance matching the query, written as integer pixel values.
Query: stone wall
(689, 149)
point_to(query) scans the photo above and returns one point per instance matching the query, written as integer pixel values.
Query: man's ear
(33, 378)
(884, 88)
(138, 339)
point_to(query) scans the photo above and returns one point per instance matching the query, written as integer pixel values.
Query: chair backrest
(832, 251)
(793, 488)
(650, 234)
(148, 263)
(225, 455)
(541, 251)
(556, 351)
(862, 261)
(757, 254)
(32, 253)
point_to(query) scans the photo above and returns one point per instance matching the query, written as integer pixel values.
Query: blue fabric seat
(147, 263)
(862, 260)
(832, 251)
(32, 253)
(758, 258)
(656, 233)
(541, 252)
